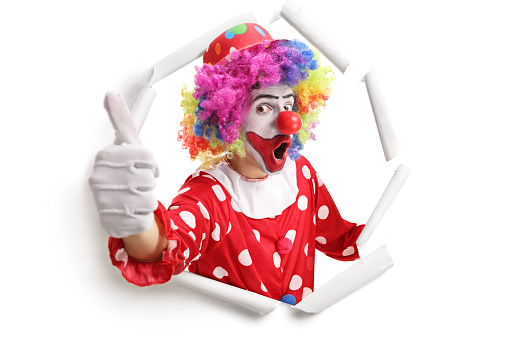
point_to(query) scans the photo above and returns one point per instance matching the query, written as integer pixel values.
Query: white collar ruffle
(263, 198)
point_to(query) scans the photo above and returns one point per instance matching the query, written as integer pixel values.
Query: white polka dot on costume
(209, 176)
(191, 234)
(349, 251)
(306, 172)
(323, 212)
(235, 207)
(186, 253)
(306, 250)
(321, 240)
(121, 255)
(257, 235)
(264, 289)
(173, 208)
(173, 226)
(219, 272)
(196, 258)
(320, 182)
(302, 203)
(291, 235)
(306, 291)
(203, 236)
(232, 49)
(245, 258)
(219, 193)
(216, 233)
(277, 259)
(314, 219)
(185, 189)
(314, 187)
(295, 283)
(229, 227)
(188, 218)
(203, 210)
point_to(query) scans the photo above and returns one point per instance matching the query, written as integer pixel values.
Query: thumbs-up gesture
(124, 176)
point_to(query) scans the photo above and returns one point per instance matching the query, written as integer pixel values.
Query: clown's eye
(287, 107)
(264, 108)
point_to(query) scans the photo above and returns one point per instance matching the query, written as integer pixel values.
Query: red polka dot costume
(265, 244)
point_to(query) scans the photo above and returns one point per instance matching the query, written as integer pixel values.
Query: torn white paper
(142, 106)
(388, 137)
(392, 189)
(304, 25)
(348, 281)
(250, 300)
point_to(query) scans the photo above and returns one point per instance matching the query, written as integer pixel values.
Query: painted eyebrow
(268, 96)
(265, 96)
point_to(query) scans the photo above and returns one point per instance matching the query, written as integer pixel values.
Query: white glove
(123, 178)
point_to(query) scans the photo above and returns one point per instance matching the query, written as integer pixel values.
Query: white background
(443, 68)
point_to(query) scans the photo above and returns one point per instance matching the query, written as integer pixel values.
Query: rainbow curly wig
(217, 107)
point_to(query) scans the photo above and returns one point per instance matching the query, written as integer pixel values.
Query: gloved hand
(123, 178)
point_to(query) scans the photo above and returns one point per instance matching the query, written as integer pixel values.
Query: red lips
(273, 151)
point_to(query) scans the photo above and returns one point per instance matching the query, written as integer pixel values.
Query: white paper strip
(250, 300)
(392, 189)
(343, 284)
(194, 49)
(348, 281)
(388, 137)
(294, 15)
(142, 106)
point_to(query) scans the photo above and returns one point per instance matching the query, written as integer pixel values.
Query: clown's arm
(148, 243)
(335, 237)
(187, 228)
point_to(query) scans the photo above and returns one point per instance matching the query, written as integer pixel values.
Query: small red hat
(236, 38)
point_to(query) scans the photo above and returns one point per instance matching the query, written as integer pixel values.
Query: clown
(254, 213)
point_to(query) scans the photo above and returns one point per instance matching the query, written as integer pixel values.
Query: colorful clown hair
(217, 107)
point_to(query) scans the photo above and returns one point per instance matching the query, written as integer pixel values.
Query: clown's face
(266, 145)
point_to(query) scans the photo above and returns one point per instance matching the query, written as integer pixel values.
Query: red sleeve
(144, 273)
(335, 236)
(189, 224)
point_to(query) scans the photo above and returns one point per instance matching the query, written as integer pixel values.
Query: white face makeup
(264, 141)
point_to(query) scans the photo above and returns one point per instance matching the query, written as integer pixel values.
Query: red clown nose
(289, 122)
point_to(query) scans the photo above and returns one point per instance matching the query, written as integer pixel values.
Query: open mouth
(273, 151)
(280, 151)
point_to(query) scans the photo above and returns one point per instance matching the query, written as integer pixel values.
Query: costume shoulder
(302, 160)
(201, 188)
